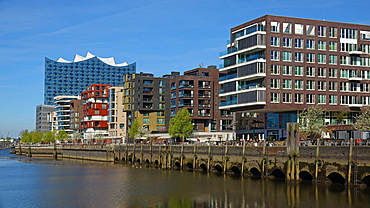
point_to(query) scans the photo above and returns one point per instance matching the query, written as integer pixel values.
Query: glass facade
(71, 78)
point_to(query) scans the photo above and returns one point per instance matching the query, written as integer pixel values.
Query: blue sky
(160, 36)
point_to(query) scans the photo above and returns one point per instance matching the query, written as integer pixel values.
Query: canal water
(40, 182)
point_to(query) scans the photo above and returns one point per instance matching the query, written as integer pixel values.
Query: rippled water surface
(39, 182)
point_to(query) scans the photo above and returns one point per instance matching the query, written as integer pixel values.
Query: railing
(229, 76)
(229, 102)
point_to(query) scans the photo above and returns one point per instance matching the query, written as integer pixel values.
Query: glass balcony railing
(228, 51)
(229, 102)
(229, 76)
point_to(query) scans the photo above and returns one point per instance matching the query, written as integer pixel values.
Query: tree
(340, 116)
(49, 136)
(311, 121)
(181, 125)
(61, 135)
(25, 136)
(137, 130)
(363, 119)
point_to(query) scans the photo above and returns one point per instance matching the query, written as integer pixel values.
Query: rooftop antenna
(201, 65)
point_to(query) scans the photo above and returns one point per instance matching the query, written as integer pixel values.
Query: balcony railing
(204, 114)
(228, 51)
(229, 102)
(186, 105)
(186, 95)
(229, 76)
(204, 105)
(185, 86)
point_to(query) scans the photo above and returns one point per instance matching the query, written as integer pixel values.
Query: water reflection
(69, 183)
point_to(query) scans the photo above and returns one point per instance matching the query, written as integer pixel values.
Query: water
(38, 182)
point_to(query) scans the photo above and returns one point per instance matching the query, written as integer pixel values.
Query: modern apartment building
(44, 117)
(277, 66)
(62, 105)
(76, 116)
(117, 120)
(197, 90)
(146, 98)
(70, 78)
(95, 111)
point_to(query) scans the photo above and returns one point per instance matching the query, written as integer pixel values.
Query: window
(275, 97)
(287, 42)
(332, 73)
(298, 70)
(348, 33)
(321, 31)
(275, 27)
(321, 85)
(146, 120)
(275, 83)
(298, 84)
(310, 99)
(287, 84)
(333, 99)
(344, 60)
(321, 58)
(275, 55)
(310, 85)
(365, 35)
(321, 72)
(343, 86)
(298, 57)
(344, 73)
(348, 47)
(332, 59)
(298, 98)
(160, 113)
(160, 120)
(333, 46)
(275, 41)
(162, 90)
(161, 106)
(310, 44)
(321, 99)
(287, 97)
(332, 86)
(287, 28)
(298, 29)
(310, 57)
(321, 45)
(162, 83)
(332, 32)
(298, 43)
(287, 56)
(287, 70)
(310, 71)
(275, 69)
(310, 30)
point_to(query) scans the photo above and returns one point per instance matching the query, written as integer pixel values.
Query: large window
(287, 28)
(298, 29)
(321, 72)
(333, 59)
(310, 44)
(298, 84)
(275, 41)
(287, 56)
(310, 57)
(310, 99)
(287, 84)
(287, 97)
(287, 42)
(275, 83)
(275, 97)
(321, 58)
(348, 33)
(310, 29)
(275, 55)
(333, 99)
(321, 99)
(321, 31)
(333, 73)
(321, 85)
(310, 85)
(298, 43)
(298, 70)
(333, 46)
(275, 69)
(310, 71)
(287, 70)
(298, 98)
(332, 32)
(332, 86)
(275, 27)
(298, 57)
(321, 45)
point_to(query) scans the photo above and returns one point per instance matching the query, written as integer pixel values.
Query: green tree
(137, 130)
(49, 136)
(61, 135)
(25, 136)
(181, 125)
(340, 116)
(362, 120)
(311, 121)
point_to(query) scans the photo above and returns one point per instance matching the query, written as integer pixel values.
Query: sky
(160, 36)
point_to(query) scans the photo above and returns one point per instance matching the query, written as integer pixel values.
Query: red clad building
(95, 111)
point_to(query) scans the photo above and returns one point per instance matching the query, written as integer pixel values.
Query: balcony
(229, 76)
(186, 105)
(204, 96)
(186, 86)
(205, 86)
(204, 105)
(228, 51)
(229, 102)
(186, 95)
(204, 114)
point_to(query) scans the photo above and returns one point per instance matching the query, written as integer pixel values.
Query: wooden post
(225, 156)
(292, 151)
(243, 156)
(317, 159)
(350, 161)
(195, 157)
(182, 153)
(55, 153)
(29, 154)
(264, 171)
(209, 157)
